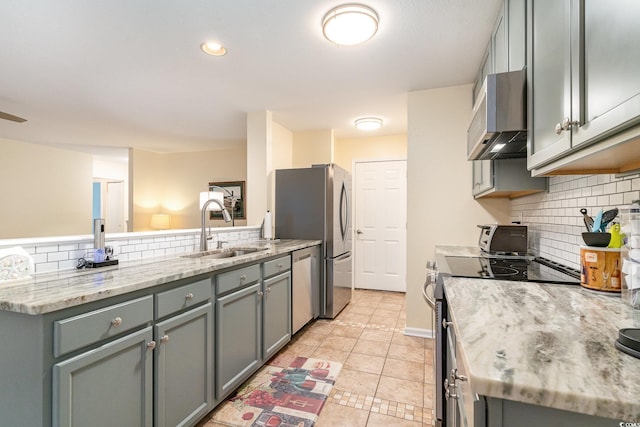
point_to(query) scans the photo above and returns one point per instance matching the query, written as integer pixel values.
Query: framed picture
(236, 188)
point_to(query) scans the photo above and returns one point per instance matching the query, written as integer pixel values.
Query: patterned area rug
(288, 392)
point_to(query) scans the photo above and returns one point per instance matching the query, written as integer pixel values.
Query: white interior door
(381, 225)
(114, 216)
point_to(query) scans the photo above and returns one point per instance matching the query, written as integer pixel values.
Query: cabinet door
(482, 176)
(238, 327)
(111, 385)
(184, 367)
(277, 314)
(606, 78)
(500, 44)
(548, 79)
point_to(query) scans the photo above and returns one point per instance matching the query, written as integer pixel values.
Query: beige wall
(46, 191)
(440, 207)
(171, 183)
(312, 147)
(346, 150)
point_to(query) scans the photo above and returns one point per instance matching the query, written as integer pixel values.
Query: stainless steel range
(452, 409)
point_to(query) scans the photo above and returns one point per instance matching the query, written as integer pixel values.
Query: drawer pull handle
(116, 322)
(243, 278)
(279, 266)
(151, 345)
(164, 339)
(189, 296)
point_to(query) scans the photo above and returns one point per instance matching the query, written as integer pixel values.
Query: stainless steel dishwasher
(305, 287)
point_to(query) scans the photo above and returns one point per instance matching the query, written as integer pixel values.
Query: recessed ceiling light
(213, 48)
(350, 24)
(368, 123)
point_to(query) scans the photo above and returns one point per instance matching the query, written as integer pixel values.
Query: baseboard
(419, 332)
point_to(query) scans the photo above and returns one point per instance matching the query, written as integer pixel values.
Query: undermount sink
(224, 253)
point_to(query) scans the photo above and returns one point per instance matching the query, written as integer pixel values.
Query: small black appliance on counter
(503, 239)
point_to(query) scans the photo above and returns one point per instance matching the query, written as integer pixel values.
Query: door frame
(354, 207)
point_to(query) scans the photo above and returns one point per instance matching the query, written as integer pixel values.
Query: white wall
(312, 147)
(346, 150)
(171, 183)
(46, 191)
(440, 207)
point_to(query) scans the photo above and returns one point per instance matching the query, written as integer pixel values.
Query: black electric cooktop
(525, 269)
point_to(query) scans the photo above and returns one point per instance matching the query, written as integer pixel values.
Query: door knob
(359, 231)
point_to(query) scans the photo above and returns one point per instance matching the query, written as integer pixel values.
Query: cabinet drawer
(182, 297)
(277, 266)
(235, 279)
(87, 328)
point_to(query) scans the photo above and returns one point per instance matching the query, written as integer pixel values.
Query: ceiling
(123, 73)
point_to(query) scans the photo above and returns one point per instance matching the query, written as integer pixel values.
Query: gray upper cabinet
(583, 82)
(507, 52)
(500, 44)
(548, 79)
(610, 78)
(482, 176)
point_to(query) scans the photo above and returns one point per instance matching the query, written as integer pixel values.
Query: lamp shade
(207, 195)
(160, 222)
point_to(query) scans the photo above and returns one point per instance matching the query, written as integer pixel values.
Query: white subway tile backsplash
(554, 221)
(64, 255)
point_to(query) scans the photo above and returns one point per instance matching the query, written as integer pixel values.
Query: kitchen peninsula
(537, 353)
(156, 342)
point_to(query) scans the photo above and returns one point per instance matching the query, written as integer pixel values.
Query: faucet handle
(220, 243)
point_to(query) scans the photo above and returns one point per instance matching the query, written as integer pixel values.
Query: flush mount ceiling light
(368, 123)
(350, 24)
(213, 48)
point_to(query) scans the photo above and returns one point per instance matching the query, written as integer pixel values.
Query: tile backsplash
(62, 253)
(554, 219)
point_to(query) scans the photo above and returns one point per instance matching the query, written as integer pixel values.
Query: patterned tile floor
(387, 377)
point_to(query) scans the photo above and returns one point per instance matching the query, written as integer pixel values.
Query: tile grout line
(373, 404)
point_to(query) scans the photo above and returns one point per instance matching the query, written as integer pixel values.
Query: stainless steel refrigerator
(315, 203)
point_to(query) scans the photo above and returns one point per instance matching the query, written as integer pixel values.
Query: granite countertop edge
(48, 292)
(551, 345)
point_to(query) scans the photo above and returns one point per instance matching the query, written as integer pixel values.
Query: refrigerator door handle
(344, 212)
(341, 257)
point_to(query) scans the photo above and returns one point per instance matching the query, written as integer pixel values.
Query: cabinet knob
(268, 289)
(279, 266)
(189, 296)
(164, 339)
(243, 277)
(151, 345)
(116, 322)
(260, 293)
(566, 124)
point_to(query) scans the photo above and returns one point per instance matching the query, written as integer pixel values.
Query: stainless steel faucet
(233, 201)
(203, 232)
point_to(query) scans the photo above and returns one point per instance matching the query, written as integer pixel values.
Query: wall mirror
(237, 199)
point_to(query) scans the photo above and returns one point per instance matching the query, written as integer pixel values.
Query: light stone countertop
(49, 292)
(545, 344)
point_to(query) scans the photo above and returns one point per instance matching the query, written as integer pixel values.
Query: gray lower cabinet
(111, 385)
(184, 375)
(238, 337)
(277, 314)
